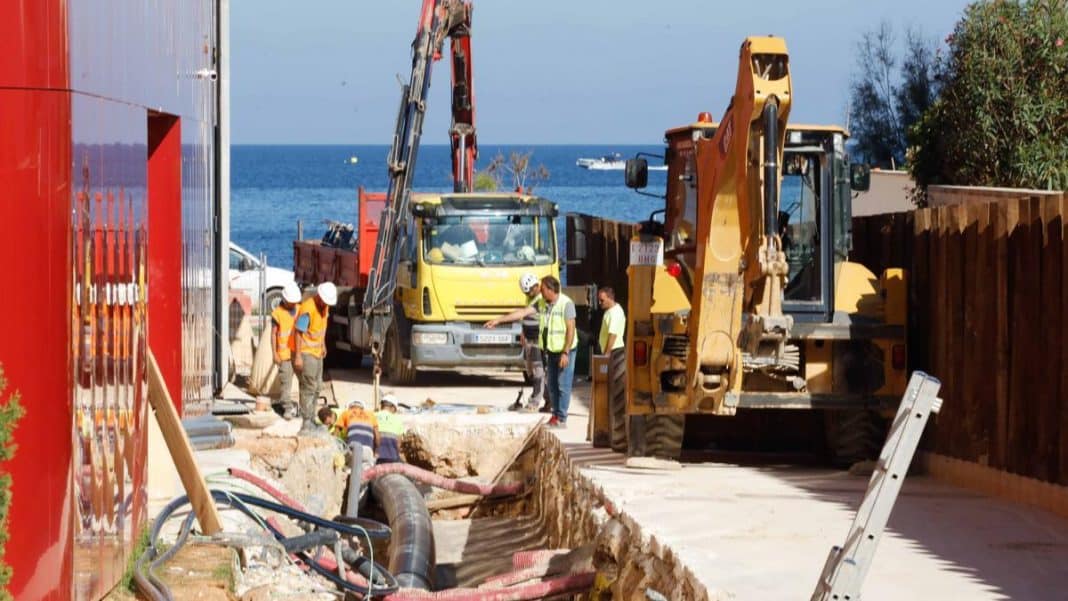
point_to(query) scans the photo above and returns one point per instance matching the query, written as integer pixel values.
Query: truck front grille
(484, 311)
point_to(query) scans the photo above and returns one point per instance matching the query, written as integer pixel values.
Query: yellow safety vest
(285, 343)
(313, 340)
(554, 327)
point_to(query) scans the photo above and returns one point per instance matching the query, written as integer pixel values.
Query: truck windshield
(481, 240)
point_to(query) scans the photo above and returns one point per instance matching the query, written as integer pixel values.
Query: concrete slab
(763, 532)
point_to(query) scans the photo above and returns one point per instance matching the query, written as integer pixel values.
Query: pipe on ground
(411, 547)
(438, 481)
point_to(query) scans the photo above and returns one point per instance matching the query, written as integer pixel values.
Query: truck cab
(460, 267)
(459, 263)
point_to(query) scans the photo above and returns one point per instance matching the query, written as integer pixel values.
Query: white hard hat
(528, 282)
(357, 402)
(389, 399)
(328, 293)
(525, 253)
(291, 292)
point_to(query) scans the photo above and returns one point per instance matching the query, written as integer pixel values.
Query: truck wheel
(656, 436)
(854, 435)
(398, 370)
(617, 402)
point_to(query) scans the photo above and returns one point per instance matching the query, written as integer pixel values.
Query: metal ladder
(846, 566)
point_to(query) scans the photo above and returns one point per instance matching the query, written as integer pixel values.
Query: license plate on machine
(646, 253)
(484, 338)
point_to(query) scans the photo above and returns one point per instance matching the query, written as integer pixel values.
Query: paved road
(763, 532)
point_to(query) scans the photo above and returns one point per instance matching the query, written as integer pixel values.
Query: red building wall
(106, 251)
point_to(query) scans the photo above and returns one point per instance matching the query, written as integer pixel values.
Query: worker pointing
(533, 349)
(313, 317)
(283, 328)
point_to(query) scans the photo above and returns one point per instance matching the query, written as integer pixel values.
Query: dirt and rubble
(709, 530)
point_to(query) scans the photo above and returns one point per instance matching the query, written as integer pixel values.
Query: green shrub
(10, 412)
(1002, 116)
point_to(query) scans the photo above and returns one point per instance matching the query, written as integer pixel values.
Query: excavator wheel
(854, 435)
(399, 371)
(617, 401)
(656, 436)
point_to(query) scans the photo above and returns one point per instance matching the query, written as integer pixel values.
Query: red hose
(267, 487)
(563, 585)
(530, 559)
(428, 477)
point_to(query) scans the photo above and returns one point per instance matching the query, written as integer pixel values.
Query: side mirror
(246, 264)
(859, 177)
(637, 173)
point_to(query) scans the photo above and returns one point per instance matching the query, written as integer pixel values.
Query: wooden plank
(985, 316)
(181, 452)
(1006, 215)
(971, 348)
(938, 321)
(1023, 309)
(1049, 344)
(919, 292)
(1062, 463)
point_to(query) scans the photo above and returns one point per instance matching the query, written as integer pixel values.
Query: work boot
(546, 408)
(516, 406)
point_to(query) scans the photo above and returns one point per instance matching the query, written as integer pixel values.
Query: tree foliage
(10, 412)
(518, 169)
(1002, 115)
(888, 95)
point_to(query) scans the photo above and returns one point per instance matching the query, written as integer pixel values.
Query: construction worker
(360, 426)
(283, 322)
(312, 319)
(533, 350)
(390, 429)
(559, 339)
(329, 417)
(613, 322)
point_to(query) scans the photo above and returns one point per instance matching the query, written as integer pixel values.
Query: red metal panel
(35, 235)
(165, 248)
(33, 44)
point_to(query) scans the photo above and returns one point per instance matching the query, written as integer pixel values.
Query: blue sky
(550, 71)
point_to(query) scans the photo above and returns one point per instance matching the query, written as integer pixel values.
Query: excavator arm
(438, 19)
(736, 321)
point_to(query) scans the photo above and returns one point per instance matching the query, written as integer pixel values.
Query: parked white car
(245, 276)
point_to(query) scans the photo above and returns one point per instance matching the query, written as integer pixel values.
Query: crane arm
(438, 19)
(736, 304)
(462, 131)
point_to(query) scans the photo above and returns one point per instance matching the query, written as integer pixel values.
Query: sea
(273, 187)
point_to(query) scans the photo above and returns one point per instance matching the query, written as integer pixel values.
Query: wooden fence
(987, 317)
(606, 246)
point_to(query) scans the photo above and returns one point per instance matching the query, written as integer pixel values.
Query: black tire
(271, 300)
(399, 371)
(617, 401)
(656, 436)
(854, 435)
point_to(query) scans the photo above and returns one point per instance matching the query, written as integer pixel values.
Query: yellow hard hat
(435, 255)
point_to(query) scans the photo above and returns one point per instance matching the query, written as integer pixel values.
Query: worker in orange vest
(313, 316)
(283, 328)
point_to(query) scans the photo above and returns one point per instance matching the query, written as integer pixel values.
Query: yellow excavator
(742, 297)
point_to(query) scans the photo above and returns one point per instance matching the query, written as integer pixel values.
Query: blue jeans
(560, 383)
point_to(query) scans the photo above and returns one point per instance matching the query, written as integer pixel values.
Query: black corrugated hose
(411, 548)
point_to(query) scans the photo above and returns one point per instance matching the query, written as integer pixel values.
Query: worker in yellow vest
(390, 430)
(312, 320)
(559, 339)
(284, 343)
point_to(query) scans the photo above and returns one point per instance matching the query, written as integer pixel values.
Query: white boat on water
(610, 162)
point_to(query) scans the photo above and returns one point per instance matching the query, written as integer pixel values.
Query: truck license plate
(493, 338)
(646, 253)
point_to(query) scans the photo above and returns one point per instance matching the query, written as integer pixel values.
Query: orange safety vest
(285, 343)
(313, 341)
